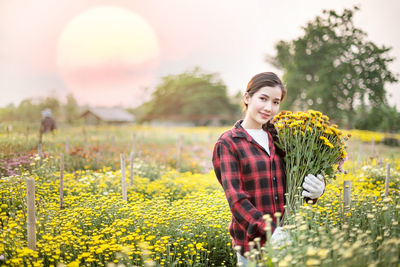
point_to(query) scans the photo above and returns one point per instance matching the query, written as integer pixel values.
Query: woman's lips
(265, 116)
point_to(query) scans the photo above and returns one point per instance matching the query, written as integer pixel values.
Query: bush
(391, 141)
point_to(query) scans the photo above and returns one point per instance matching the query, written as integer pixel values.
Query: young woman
(251, 169)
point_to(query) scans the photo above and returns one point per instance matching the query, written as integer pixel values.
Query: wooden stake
(123, 181)
(66, 146)
(86, 146)
(62, 181)
(380, 162)
(27, 135)
(387, 180)
(373, 146)
(98, 157)
(31, 219)
(346, 194)
(179, 150)
(132, 156)
(113, 141)
(360, 154)
(134, 148)
(40, 152)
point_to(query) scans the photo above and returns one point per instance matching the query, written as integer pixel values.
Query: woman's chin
(263, 120)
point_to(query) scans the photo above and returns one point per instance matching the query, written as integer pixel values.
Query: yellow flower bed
(181, 219)
(368, 136)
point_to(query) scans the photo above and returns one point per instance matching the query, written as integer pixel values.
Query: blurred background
(188, 62)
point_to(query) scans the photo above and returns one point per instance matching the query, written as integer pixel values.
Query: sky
(116, 52)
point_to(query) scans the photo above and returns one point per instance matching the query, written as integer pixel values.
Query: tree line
(29, 110)
(331, 67)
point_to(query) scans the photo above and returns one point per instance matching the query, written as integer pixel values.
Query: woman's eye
(263, 98)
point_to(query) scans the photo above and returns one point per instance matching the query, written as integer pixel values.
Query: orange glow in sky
(105, 51)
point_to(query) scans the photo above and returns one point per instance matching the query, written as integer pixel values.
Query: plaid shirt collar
(239, 132)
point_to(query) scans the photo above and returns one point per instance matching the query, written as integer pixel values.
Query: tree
(333, 67)
(384, 118)
(8, 113)
(71, 109)
(190, 96)
(52, 103)
(28, 111)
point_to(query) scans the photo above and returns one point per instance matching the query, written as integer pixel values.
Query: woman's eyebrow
(277, 98)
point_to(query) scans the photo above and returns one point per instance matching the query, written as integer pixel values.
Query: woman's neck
(250, 124)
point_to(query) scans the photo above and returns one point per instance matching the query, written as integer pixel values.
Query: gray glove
(313, 186)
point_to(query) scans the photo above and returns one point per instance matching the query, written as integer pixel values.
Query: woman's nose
(268, 106)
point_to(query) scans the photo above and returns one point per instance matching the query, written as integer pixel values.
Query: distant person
(48, 124)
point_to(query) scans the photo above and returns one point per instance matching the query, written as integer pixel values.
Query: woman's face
(263, 105)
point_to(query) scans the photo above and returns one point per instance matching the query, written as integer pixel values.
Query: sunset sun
(106, 52)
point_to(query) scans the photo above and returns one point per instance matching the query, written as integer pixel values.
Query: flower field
(176, 218)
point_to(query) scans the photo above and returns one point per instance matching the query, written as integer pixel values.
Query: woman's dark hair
(264, 79)
(267, 79)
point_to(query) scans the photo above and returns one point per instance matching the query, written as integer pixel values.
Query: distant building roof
(107, 114)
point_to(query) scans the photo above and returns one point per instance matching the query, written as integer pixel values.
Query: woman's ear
(246, 98)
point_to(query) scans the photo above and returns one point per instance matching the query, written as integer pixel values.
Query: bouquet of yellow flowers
(311, 145)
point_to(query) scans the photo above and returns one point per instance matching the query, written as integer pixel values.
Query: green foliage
(29, 111)
(391, 141)
(71, 109)
(190, 96)
(384, 118)
(51, 103)
(26, 110)
(334, 68)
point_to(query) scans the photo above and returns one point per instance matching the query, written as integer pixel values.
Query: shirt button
(276, 197)
(274, 178)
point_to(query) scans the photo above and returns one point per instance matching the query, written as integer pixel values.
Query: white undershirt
(260, 136)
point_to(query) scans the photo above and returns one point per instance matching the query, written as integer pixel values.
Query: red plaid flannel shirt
(254, 183)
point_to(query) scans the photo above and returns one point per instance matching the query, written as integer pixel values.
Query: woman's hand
(313, 186)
